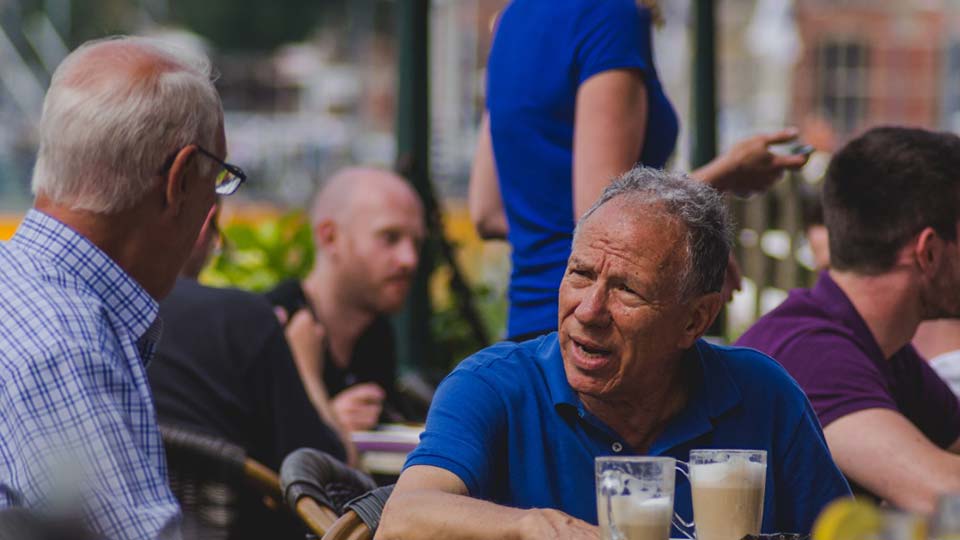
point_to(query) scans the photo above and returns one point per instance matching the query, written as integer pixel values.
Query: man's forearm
(419, 514)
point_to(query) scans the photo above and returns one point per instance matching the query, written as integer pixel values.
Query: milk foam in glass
(728, 489)
(635, 497)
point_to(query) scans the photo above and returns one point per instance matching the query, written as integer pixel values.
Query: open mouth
(590, 356)
(591, 350)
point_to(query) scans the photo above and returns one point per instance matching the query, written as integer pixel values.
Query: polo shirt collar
(714, 391)
(130, 306)
(561, 394)
(831, 298)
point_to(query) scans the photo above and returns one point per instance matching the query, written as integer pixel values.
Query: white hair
(111, 121)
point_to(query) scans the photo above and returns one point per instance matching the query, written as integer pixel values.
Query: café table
(384, 450)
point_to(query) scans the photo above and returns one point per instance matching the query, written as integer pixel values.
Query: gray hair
(697, 206)
(105, 137)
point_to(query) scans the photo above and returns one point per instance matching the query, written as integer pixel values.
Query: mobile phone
(801, 148)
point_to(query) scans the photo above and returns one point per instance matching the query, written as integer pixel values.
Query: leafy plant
(452, 333)
(257, 255)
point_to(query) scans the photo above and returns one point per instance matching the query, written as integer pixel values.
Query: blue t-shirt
(508, 424)
(543, 50)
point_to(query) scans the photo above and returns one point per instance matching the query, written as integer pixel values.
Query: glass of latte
(727, 488)
(635, 497)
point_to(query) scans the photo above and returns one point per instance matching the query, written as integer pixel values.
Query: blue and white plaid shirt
(77, 422)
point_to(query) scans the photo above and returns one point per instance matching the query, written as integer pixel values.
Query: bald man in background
(368, 226)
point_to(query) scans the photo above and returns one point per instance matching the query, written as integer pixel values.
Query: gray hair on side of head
(697, 206)
(105, 135)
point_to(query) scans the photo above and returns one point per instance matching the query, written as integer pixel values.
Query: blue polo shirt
(543, 50)
(510, 426)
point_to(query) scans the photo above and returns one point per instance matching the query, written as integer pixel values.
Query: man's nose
(407, 254)
(592, 309)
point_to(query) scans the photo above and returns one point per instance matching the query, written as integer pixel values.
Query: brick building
(869, 62)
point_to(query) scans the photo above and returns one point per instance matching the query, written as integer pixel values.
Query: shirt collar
(148, 342)
(561, 394)
(831, 298)
(43, 237)
(714, 391)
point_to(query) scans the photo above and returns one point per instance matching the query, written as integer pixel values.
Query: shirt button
(617, 447)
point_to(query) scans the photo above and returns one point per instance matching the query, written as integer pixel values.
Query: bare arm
(882, 451)
(430, 502)
(305, 337)
(611, 119)
(484, 199)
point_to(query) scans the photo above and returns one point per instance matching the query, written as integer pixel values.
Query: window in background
(842, 67)
(950, 103)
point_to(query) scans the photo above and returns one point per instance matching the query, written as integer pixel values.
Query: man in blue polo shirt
(513, 432)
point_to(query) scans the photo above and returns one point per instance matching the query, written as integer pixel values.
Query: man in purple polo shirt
(891, 205)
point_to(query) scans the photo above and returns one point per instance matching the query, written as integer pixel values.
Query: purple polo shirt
(818, 336)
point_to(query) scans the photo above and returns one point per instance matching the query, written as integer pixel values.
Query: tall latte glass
(635, 497)
(727, 487)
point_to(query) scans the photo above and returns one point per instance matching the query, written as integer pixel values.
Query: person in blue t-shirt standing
(512, 434)
(573, 100)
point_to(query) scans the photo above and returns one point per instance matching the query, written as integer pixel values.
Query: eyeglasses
(228, 179)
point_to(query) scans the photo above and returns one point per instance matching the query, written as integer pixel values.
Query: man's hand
(547, 523)
(358, 407)
(750, 166)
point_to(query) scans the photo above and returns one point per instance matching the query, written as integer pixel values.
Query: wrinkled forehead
(646, 235)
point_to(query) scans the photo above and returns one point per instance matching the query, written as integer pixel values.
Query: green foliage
(256, 256)
(451, 331)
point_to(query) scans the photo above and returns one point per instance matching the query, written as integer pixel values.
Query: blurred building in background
(866, 63)
(311, 86)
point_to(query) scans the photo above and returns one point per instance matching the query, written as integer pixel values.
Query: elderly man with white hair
(130, 161)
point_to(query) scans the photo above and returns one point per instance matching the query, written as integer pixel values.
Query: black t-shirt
(223, 367)
(374, 356)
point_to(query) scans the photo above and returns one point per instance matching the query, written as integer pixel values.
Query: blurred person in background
(513, 432)
(891, 201)
(811, 211)
(129, 165)
(368, 227)
(573, 100)
(939, 342)
(223, 368)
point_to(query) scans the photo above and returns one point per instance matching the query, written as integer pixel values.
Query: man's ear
(702, 312)
(325, 233)
(928, 251)
(175, 182)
